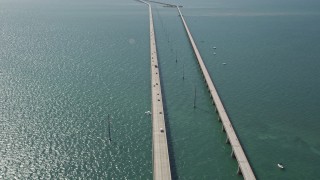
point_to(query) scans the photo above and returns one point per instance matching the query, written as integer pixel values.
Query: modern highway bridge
(160, 154)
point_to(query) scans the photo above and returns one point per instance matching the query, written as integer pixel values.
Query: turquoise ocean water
(66, 66)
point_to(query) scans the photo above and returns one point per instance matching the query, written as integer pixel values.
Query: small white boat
(214, 47)
(224, 63)
(148, 113)
(280, 165)
(214, 53)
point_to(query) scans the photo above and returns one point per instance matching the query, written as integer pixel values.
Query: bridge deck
(161, 163)
(231, 135)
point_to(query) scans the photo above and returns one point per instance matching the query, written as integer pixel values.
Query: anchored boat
(280, 165)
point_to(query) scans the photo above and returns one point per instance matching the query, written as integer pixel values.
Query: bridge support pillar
(222, 129)
(227, 141)
(232, 154)
(239, 170)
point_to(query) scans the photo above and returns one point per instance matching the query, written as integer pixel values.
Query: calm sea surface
(66, 66)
